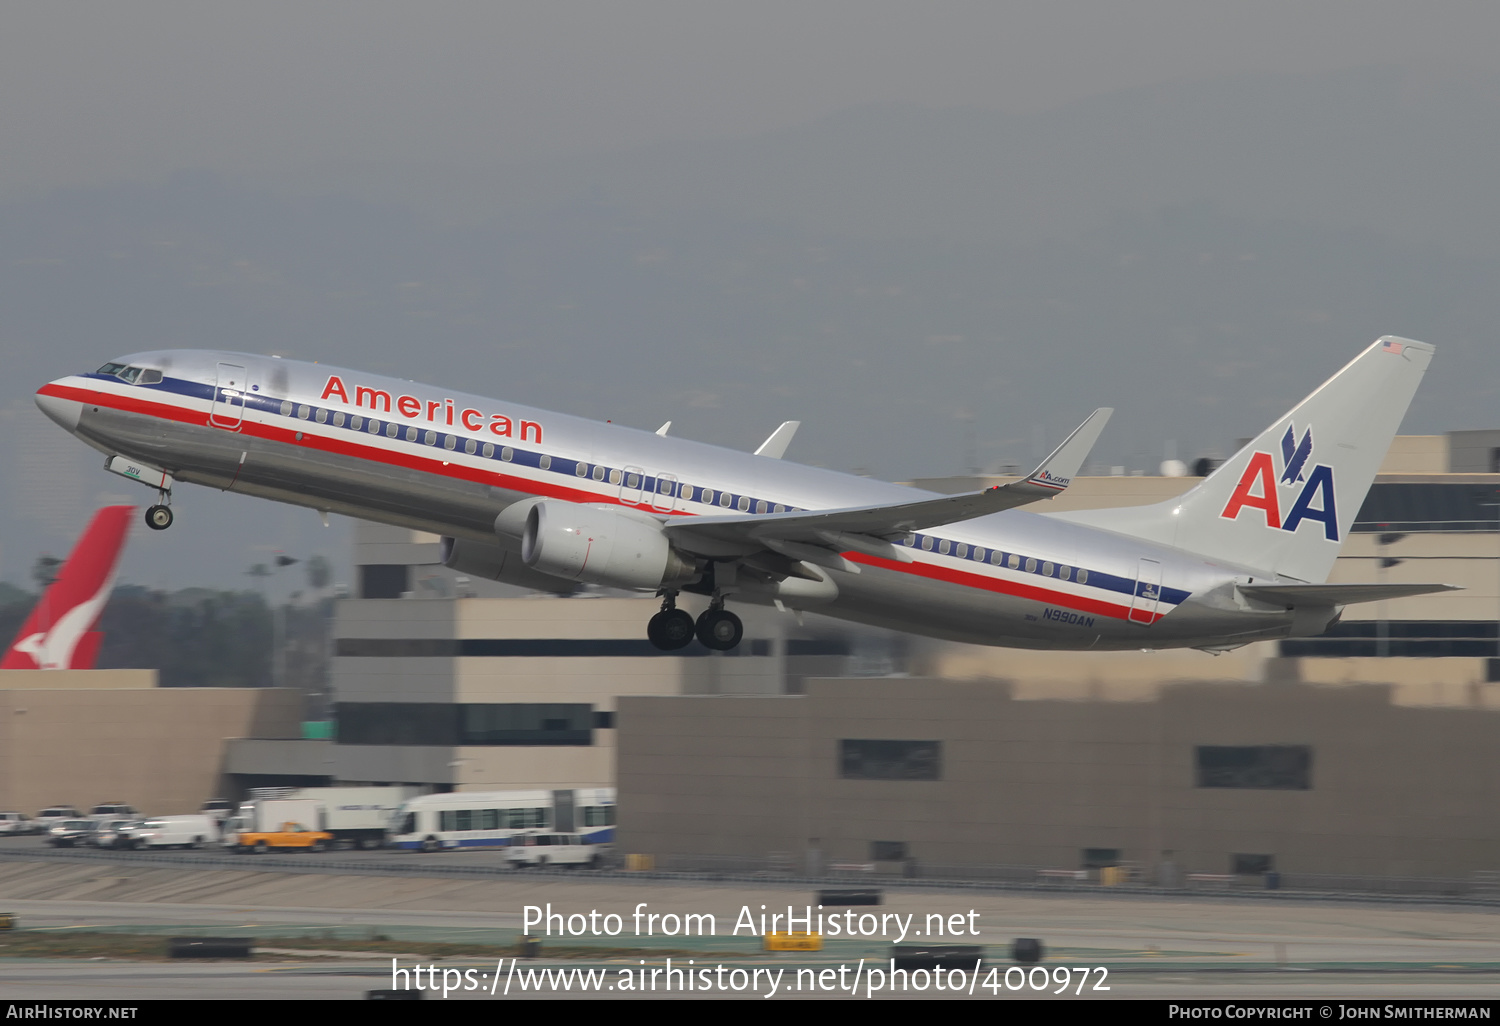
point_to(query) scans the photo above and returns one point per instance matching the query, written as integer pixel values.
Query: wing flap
(826, 528)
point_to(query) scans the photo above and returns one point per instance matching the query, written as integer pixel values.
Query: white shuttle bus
(489, 819)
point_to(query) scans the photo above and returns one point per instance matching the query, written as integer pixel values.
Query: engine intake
(600, 545)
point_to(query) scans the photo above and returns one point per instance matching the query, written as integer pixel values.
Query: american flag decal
(1393, 347)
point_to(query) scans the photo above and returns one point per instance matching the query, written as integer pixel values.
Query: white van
(552, 850)
(177, 831)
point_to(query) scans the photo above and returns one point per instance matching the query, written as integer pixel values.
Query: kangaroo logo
(1258, 488)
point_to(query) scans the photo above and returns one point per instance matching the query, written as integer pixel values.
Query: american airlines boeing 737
(536, 498)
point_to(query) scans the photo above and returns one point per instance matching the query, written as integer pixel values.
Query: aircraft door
(632, 486)
(228, 408)
(664, 498)
(1147, 591)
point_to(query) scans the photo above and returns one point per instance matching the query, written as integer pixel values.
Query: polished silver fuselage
(282, 430)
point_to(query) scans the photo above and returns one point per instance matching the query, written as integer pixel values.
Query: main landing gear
(159, 517)
(673, 628)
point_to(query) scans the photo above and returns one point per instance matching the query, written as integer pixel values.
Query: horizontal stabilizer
(1337, 594)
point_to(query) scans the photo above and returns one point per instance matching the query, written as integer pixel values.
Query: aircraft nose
(64, 411)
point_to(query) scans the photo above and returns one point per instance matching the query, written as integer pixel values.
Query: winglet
(664, 429)
(1057, 471)
(775, 446)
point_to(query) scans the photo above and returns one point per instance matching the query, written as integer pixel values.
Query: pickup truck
(290, 837)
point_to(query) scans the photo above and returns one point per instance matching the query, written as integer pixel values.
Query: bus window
(489, 819)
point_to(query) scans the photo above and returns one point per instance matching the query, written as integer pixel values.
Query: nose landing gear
(159, 517)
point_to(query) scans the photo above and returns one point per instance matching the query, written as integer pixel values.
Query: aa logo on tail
(1259, 488)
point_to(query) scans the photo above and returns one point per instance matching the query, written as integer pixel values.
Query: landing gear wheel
(159, 518)
(720, 630)
(670, 629)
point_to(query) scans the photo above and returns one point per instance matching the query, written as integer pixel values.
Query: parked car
(176, 832)
(291, 837)
(14, 823)
(53, 813)
(108, 833)
(127, 835)
(113, 810)
(552, 850)
(69, 833)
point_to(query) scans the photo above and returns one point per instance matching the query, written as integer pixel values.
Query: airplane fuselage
(407, 454)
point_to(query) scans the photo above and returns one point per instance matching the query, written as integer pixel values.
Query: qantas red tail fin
(59, 634)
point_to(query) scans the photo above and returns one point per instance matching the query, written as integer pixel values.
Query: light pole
(1496, 507)
(1382, 564)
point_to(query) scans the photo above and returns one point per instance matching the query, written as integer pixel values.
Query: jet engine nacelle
(495, 562)
(600, 545)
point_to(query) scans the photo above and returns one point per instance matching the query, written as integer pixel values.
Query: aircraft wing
(868, 528)
(1337, 594)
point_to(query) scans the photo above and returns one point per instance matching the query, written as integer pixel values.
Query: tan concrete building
(82, 737)
(1214, 777)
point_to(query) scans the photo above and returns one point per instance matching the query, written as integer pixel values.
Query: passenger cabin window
(598, 473)
(581, 470)
(545, 463)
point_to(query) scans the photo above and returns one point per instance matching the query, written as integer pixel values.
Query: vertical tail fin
(1286, 501)
(58, 635)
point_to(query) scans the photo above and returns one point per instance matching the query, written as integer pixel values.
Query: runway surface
(1161, 948)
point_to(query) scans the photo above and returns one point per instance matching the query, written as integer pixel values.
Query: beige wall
(1396, 791)
(159, 749)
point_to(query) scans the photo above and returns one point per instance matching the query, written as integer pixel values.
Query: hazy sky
(94, 92)
(931, 231)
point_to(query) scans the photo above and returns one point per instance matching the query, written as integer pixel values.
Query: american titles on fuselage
(437, 411)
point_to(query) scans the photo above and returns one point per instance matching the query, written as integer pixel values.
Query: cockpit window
(131, 375)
